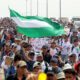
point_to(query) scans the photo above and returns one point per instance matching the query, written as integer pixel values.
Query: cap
(61, 75)
(45, 47)
(50, 73)
(67, 66)
(7, 44)
(14, 45)
(21, 63)
(72, 55)
(54, 60)
(36, 64)
(39, 54)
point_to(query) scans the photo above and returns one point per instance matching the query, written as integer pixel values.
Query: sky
(70, 8)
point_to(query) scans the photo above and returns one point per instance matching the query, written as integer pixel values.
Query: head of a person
(8, 46)
(72, 57)
(53, 44)
(51, 75)
(40, 57)
(37, 67)
(14, 47)
(17, 58)
(70, 74)
(29, 47)
(45, 49)
(31, 55)
(66, 38)
(75, 43)
(17, 41)
(21, 67)
(61, 76)
(53, 62)
(75, 33)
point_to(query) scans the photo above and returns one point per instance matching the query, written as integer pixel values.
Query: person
(73, 36)
(46, 55)
(70, 74)
(72, 59)
(31, 61)
(51, 75)
(55, 49)
(66, 49)
(37, 67)
(21, 72)
(41, 60)
(76, 49)
(32, 77)
(12, 69)
(61, 76)
(54, 64)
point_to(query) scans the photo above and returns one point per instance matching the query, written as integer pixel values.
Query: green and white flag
(35, 26)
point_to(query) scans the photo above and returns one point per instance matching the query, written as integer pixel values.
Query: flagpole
(60, 10)
(46, 8)
(26, 7)
(37, 7)
(31, 8)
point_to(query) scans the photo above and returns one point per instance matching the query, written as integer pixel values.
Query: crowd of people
(58, 57)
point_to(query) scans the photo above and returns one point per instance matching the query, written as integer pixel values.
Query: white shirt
(53, 51)
(66, 48)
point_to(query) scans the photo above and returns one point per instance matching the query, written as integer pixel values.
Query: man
(66, 49)
(21, 72)
(74, 37)
(54, 63)
(37, 67)
(46, 56)
(72, 59)
(76, 49)
(70, 74)
(30, 62)
(61, 76)
(43, 63)
(51, 75)
(55, 49)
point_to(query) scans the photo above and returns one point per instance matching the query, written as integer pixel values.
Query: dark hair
(17, 57)
(70, 71)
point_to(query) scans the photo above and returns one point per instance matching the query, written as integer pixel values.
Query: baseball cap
(50, 73)
(61, 75)
(21, 63)
(67, 66)
(72, 55)
(54, 60)
(44, 47)
(39, 54)
(36, 64)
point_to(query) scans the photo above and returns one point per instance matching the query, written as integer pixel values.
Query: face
(53, 45)
(51, 77)
(40, 58)
(70, 77)
(37, 69)
(31, 57)
(22, 70)
(44, 50)
(53, 64)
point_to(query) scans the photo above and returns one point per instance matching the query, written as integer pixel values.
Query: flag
(35, 26)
